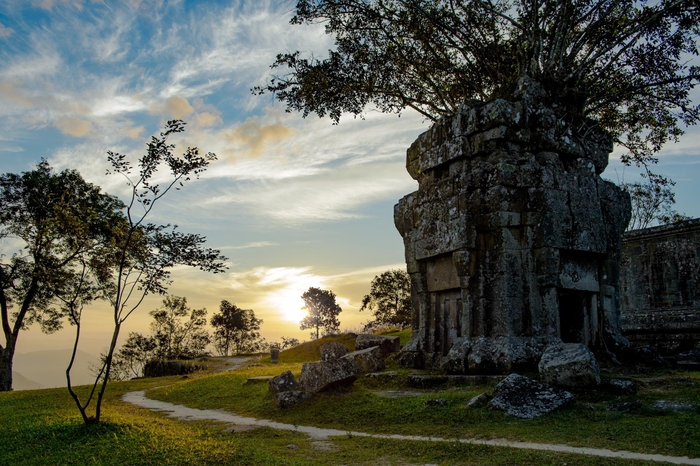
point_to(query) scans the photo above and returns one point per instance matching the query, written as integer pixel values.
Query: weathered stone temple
(512, 239)
(660, 287)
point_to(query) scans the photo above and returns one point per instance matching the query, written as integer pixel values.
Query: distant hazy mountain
(20, 382)
(48, 368)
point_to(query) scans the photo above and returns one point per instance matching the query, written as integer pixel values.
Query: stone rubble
(525, 398)
(570, 365)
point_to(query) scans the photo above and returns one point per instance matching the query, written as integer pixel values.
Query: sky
(292, 202)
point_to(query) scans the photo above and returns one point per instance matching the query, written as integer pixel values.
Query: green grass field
(42, 427)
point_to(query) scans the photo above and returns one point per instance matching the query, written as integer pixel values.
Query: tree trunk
(6, 356)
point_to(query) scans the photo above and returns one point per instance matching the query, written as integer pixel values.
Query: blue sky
(292, 202)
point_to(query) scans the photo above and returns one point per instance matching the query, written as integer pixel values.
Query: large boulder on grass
(525, 398)
(290, 398)
(284, 382)
(387, 344)
(366, 360)
(324, 375)
(333, 350)
(570, 365)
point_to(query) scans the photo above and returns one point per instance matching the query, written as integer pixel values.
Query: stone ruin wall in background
(660, 286)
(512, 232)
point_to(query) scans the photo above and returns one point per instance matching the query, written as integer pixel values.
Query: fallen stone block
(622, 407)
(284, 382)
(366, 360)
(618, 386)
(333, 350)
(455, 361)
(287, 399)
(570, 365)
(411, 355)
(525, 398)
(387, 344)
(324, 375)
(673, 406)
(504, 354)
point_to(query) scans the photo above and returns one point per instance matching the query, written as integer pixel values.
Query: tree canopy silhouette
(323, 311)
(625, 65)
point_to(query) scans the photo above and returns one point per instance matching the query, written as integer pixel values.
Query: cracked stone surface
(511, 236)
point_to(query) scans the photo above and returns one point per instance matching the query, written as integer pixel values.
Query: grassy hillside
(42, 427)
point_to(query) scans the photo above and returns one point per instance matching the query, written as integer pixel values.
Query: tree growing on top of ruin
(389, 299)
(322, 312)
(624, 65)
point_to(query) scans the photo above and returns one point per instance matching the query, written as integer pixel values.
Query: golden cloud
(11, 93)
(254, 138)
(134, 133)
(206, 119)
(74, 126)
(175, 107)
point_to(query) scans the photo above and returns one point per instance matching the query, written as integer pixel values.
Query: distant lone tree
(389, 300)
(236, 329)
(322, 311)
(624, 65)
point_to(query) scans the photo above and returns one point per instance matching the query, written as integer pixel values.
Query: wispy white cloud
(5, 32)
(255, 244)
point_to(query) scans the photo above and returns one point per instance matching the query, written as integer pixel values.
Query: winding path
(192, 414)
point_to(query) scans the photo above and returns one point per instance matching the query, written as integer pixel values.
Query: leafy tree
(289, 342)
(237, 329)
(652, 202)
(178, 330)
(131, 358)
(57, 223)
(141, 254)
(389, 299)
(322, 311)
(623, 65)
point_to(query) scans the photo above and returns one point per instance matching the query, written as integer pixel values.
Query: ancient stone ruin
(660, 287)
(512, 239)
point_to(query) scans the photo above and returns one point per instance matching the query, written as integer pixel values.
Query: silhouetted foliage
(178, 330)
(142, 254)
(389, 300)
(652, 202)
(621, 64)
(56, 227)
(289, 342)
(322, 312)
(236, 329)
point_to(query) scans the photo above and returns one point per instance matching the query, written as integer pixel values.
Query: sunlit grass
(43, 427)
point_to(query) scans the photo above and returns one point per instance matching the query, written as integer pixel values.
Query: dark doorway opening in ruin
(573, 307)
(449, 317)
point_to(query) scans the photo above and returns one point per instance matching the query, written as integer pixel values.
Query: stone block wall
(660, 286)
(512, 232)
